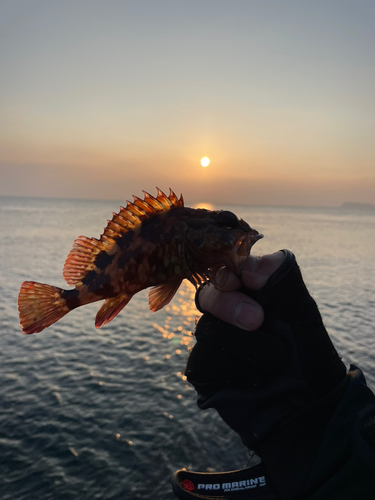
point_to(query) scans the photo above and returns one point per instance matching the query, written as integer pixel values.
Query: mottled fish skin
(155, 242)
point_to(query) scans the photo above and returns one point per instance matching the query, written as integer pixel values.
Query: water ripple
(107, 414)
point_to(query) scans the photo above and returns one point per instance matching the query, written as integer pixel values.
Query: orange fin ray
(159, 296)
(163, 199)
(175, 201)
(40, 306)
(136, 210)
(133, 217)
(197, 280)
(123, 223)
(143, 205)
(110, 309)
(153, 202)
(81, 259)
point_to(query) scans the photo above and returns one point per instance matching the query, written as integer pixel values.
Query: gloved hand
(262, 381)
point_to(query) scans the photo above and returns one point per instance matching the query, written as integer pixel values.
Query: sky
(101, 99)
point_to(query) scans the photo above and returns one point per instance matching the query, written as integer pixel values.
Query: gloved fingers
(256, 271)
(225, 280)
(232, 307)
(224, 301)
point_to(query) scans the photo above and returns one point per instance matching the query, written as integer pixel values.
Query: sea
(108, 414)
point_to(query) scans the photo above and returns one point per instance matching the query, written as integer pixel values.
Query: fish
(153, 242)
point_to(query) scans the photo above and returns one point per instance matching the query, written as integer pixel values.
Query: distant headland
(357, 206)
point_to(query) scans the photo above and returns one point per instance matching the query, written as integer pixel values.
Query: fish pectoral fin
(110, 309)
(161, 295)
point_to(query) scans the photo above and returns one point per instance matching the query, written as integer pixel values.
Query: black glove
(258, 380)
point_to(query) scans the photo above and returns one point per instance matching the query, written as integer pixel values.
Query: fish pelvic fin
(110, 309)
(40, 306)
(159, 296)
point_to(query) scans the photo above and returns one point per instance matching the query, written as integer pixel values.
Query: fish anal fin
(111, 308)
(159, 296)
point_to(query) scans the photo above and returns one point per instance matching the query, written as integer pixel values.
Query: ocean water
(107, 414)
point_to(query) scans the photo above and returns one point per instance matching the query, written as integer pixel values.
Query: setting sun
(205, 161)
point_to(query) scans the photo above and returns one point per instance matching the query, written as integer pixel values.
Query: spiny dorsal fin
(163, 203)
(82, 256)
(81, 259)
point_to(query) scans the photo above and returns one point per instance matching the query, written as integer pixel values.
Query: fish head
(217, 238)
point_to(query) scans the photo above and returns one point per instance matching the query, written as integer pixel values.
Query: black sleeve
(285, 391)
(344, 461)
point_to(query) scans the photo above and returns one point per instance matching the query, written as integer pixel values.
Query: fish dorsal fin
(111, 308)
(159, 296)
(81, 259)
(82, 256)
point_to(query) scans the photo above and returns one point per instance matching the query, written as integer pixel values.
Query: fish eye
(227, 219)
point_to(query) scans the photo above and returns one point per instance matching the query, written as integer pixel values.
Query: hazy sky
(100, 99)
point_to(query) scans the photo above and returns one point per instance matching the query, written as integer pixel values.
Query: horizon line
(352, 204)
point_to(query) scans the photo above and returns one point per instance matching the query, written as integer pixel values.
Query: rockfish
(154, 242)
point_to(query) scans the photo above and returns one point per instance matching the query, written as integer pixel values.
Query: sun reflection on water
(203, 204)
(179, 323)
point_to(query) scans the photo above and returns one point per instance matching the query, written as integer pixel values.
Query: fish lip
(235, 259)
(244, 244)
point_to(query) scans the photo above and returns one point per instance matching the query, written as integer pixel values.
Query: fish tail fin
(40, 306)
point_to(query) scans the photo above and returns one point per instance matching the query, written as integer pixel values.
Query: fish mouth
(233, 259)
(244, 244)
(241, 250)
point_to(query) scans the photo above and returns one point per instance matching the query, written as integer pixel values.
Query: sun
(205, 161)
